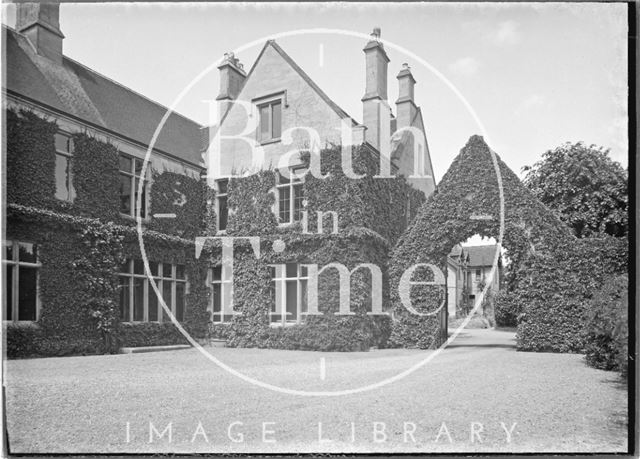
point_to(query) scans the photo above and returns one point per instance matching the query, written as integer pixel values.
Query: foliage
(507, 306)
(80, 248)
(368, 214)
(149, 334)
(607, 326)
(585, 186)
(183, 196)
(555, 294)
(31, 159)
(95, 177)
(469, 188)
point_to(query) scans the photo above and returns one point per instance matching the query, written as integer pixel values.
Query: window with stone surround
(21, 265)
(130, 177)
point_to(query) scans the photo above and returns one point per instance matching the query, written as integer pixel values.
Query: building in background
(468, 269)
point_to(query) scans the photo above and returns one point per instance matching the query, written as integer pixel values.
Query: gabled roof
(81, 93)
(272, 43)
(480, 255)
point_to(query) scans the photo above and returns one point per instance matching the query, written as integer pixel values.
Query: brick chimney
(406, 107)
(40, 23)
(376, 88)
(232, 76)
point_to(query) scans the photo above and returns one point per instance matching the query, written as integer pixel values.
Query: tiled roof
(78, 91)
(480, 255)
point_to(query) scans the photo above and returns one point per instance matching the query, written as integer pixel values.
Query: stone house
(468, 269)
(83, 138)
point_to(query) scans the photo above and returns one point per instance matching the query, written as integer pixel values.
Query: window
(64, 174)
(270, 121)
(139, 302)
(130, 177)
(478, 274)
(221, 294)
(289, 290)
(20, 260)
(290, 198)
(222, 211)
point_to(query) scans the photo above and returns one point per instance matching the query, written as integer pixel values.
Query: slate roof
(474, 255)
(480, 255)
(94, 99)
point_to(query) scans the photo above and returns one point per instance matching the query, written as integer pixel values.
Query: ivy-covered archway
(467, 202)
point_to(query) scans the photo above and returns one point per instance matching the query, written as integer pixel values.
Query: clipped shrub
(507, 306)
(606, 328)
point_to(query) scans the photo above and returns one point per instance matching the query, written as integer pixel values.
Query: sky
(536, 75)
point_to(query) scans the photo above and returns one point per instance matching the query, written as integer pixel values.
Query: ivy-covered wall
(31, 179)
(82, 244)
(371, 215)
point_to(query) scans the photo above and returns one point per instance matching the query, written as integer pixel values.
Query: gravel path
(477, 395)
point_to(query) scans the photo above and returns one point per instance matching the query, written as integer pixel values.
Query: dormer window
(270, 127)
(64, 173)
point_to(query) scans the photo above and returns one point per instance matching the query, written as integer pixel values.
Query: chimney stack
(405, 105)
(375, 97)
(40, 23)
(232, 76)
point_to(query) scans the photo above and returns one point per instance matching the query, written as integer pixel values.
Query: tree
(584, 186)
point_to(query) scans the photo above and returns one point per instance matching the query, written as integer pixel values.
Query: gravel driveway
(477, 395)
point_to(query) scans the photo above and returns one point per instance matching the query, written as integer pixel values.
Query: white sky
(536, 74)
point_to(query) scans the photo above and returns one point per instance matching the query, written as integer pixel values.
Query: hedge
(468, 189)
(607, 326)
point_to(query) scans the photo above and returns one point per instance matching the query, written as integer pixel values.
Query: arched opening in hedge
(466, 203)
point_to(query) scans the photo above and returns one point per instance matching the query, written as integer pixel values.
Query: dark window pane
(166, 295)
(125, 194)
(153, 266)
(276, 120)
(180, 287)
(292, 270)
(138, 267)
(292, 300)
(138, 300)
(124, 268)
(124, 298)
(28, 280)
(180, 272)
(153, 304)
(216, 272)
(138, 164)
(143, 198)
(283, 205)
(8, 250)
(125, 163)
(264, 122)
(217, 302)
(28, 252)
(223, 213)
(222, 186)
(167, 272)
(7, 306)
